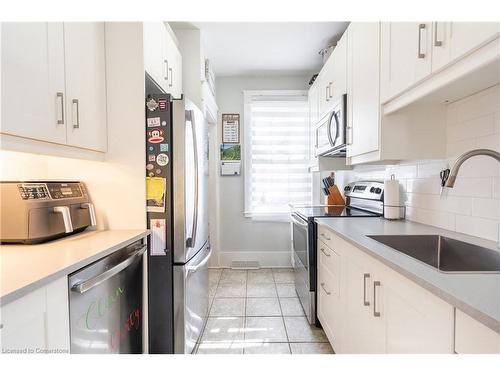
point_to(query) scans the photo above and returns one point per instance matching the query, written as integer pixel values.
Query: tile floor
(258, 312)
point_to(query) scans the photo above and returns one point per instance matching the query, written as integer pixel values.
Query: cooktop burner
(308, 212)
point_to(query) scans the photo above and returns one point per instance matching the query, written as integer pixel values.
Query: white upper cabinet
(406, 53)
(162, 59)
(363, 87)
(85, 64)
(54, 84)
(466, 36)
(33, 81)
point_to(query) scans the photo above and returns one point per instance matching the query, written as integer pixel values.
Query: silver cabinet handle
(325, 237)
(324, 252)
(191, 242)
(365, 277)
(76, 105)
(171, 78)
(324, 288)
(327, 93)
(375, 312)
(349, 135)
(420, 54)
(330, 90)
(437, 43)
(60, 97)
(66, 215)
(166, 70)
(90, 207)
(83, 286)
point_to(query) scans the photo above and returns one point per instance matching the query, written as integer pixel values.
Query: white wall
(116, 184)
(473, 205)
(241, 238)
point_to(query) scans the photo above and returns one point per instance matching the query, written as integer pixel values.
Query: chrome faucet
(448, 177)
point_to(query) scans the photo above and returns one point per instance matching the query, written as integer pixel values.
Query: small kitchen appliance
(39, 211)
(363, 199)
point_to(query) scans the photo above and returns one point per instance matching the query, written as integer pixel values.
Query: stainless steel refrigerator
(177, 214)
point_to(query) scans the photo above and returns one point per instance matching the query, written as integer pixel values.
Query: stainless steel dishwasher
(106, 303)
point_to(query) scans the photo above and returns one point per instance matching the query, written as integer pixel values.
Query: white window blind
(276, 153)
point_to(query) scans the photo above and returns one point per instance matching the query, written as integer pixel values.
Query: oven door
(300, 245)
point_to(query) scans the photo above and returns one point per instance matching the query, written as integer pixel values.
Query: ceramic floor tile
(286, 290)
(266, 348)
(299, 330)
(311, 348)
(231, 290)
(261, 290)
(223, 329)
(260, 276)
(228, 307)
(291, 307)
(220, 348)
(263, 307)
(283, 275)
(214, 274)
(233, 277)
(265, 329)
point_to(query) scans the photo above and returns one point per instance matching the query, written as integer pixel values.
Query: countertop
(24, 268)
(478, 295)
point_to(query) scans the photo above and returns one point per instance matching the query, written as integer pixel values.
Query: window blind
(277, 153)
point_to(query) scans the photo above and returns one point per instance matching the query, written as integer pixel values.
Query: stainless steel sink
(445, 254)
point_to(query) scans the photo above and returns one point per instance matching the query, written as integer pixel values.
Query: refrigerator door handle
(190, 242)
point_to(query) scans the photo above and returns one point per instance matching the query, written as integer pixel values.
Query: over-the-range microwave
(330, 132)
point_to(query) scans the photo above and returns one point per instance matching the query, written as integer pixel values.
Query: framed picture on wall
(230, 128)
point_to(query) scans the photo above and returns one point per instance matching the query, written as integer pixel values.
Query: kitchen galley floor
(258, 312)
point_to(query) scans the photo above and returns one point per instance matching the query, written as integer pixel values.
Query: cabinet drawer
(326, 236)
(329, 259)
(472, 337)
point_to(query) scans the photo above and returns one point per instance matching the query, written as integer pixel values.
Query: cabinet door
(24, 322)
(173, 60)
(408, 55)
(415, 320)
(466, 36)
(85, 84)
(363, 83)
(33, 81)
(364, 333)
(313, 100)
(339, 68)
(154, 56)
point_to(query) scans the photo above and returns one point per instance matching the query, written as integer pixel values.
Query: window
(276, 153)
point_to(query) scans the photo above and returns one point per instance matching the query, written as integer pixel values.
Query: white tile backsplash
(473, 205)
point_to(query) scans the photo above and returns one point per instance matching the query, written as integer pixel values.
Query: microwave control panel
(51, 190)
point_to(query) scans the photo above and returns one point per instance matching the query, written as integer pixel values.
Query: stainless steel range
(363, 199)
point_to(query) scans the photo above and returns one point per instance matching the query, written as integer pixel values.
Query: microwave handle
(329, 128)
(90, 207)
(66, 216)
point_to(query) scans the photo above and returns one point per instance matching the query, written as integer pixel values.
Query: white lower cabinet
(37, 322)
(472, 337)
(378, 310)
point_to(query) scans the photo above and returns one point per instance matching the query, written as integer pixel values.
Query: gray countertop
(478, 295)
(24, 268)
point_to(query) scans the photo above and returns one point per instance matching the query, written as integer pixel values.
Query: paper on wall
(158, 236)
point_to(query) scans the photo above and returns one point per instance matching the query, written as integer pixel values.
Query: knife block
(334, 198)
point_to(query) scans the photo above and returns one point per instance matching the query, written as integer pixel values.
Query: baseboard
(266, 259)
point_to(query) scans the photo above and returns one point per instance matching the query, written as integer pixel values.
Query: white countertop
(476, 294)
(24, 268)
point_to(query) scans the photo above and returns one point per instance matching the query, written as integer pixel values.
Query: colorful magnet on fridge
(164, 147)
(155, 136)
(153, 121)
(162, 160)
(152, 105)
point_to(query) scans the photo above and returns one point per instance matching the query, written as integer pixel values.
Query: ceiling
(265, 48)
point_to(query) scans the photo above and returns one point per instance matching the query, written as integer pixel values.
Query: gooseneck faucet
(449, 180)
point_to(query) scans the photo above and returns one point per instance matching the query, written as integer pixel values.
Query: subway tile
(484, 102)
(444, 203)
(429, 217)
(486, 208)
(478, 127)
(423, 185)
(402, 171)
(478, 227)
(455, 149)
(491, 142)
(431, 169)
(472, 187)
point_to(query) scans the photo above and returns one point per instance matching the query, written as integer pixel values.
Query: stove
(363, 199)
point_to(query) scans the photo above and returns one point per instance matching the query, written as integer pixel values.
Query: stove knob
(372, 190)
(347, 188)
(378, 190)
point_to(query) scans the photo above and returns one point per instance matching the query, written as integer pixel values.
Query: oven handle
(298, 220)
(83, 286)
